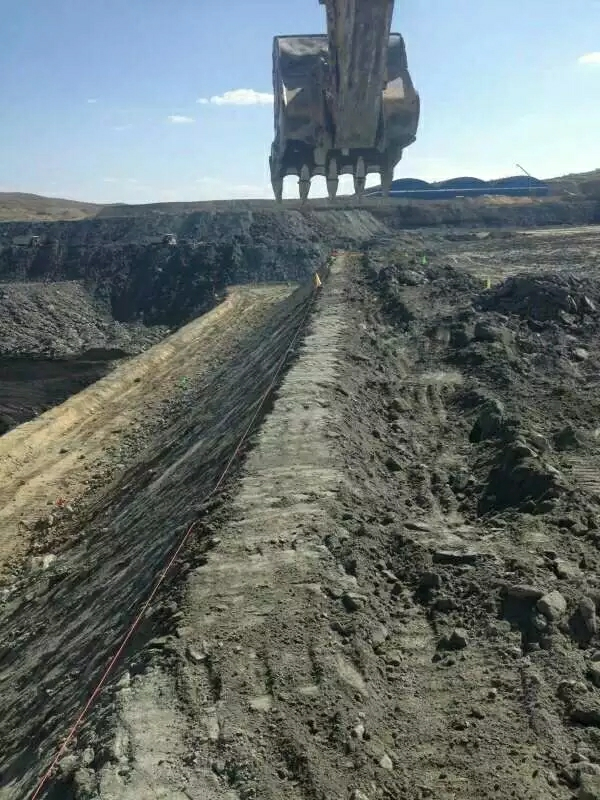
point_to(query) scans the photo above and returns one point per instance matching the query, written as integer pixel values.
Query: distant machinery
(164, 238)
(27, 240)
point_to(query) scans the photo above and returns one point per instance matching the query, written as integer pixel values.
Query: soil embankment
(99, 553)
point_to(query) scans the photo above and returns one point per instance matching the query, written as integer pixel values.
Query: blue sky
(99, 98)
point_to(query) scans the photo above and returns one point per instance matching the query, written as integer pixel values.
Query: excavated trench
(57, 632)
(71, 309)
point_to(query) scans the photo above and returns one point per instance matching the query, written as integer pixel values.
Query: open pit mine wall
(152, 283)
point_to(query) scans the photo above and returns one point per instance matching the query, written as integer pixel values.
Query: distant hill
(35, 208)
(586, 183)
(15, 206)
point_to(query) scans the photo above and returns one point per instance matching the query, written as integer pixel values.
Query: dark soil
(425, 629)
(72, 306)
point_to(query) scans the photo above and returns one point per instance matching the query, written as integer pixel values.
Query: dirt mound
(62, 320)
(543, 297)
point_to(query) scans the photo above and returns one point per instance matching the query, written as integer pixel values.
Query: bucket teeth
(332, 179)
(360, 178)
(387, 176)
(304, 183)
(277, 184)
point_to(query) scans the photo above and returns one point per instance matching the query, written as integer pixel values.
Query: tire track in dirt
(58, 630)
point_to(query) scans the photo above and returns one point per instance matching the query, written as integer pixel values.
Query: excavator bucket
(345, 103)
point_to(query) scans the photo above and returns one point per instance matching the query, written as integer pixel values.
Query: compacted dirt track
(393, 595)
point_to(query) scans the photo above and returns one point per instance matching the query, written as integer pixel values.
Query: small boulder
(524, 591)
(430, 580)
(564, 569)
(386, 762)
(593, 673)
(379, 636)
(445, 604)
(457, 640)
(539, 441)
(394, 658)
(489, 423)
(580, 354)
(484, 332)
(195, 655)
(393, 464)
(67, 766)
(587, 610)
(42, 563)
(567, 439)
(552, 605)
(353, 601)
(410, 277)
(586, 711)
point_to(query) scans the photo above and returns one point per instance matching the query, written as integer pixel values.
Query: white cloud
(92, 100)
(590, 58)
(122, 127)
(178, 119)
(110, 180)
(239, 97)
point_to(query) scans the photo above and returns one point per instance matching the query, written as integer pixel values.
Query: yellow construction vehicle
(344, 102)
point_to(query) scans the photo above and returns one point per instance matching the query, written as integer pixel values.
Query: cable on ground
(185, 538)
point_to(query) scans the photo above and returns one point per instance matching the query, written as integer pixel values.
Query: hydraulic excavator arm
(358, 33)
(344, 102)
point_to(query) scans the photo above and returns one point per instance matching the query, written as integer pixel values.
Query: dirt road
(245, 610)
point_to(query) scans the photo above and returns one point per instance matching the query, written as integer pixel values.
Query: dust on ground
(397, 595)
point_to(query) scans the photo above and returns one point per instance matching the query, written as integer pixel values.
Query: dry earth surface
(394, 592)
